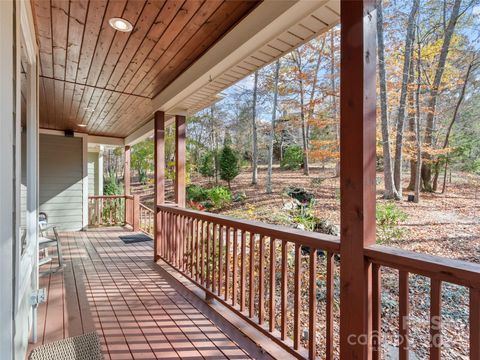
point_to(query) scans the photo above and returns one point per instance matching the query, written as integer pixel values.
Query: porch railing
(110, 210)
(146, 221)
(258, 271)
(266, 273)
(438, 270)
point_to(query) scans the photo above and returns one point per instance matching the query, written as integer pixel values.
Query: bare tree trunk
(390, 191)
(444, 187)
(334, 100)
(450, 126)
(306, 168)
(432, 102)
(397, 172)
(418, 140)
(254, 132)
(272, 129)
(412, 126)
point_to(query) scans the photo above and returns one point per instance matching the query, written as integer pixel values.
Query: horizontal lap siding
(92, 173)
(61, 191)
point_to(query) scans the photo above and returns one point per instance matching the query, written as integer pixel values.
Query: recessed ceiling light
(82, 125)
(120, 24)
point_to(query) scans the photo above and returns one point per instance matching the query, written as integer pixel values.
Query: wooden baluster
(297, 298)
(208, 256)
(220, 260)
(376, 312)
(242, 270)
(435, 319)
(235, 266)
(251, 278)
(271, 320)
(192, 246)
(164, 225)
(227, 263)
(284, 289)
(202, 253)
(172, 237)
(182, 243)
(214, 257)
(312, 326)
(197, 252)
(115, 201)
(329, 311)
(261, 281)
(100, 211)
(175, 239)
(168, 235)
(109, 206)
(179, 242)
(474, 324)
(404, 305)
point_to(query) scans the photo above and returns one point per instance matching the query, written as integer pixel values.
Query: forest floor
(440, 224)
(446, 225)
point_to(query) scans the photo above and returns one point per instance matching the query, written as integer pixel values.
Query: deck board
(117, 290)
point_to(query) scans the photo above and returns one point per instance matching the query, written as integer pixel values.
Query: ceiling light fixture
(82, 125)
(120, 24)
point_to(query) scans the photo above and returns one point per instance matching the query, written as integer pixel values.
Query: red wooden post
(159, 158)
(136, 213)
(126, 183)
(126, 169)
(357, 174)
(180, 160)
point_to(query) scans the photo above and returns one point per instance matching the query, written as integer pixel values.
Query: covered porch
(140, 311)
(207, 286)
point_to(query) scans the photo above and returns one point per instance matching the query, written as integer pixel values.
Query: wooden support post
(159, 158)
(180, 160)
(357, 174)
(126, 171)
(136, 213)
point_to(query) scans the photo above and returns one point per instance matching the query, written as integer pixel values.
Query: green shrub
(292, 158)
(229, 164)
(207, 164)
(111, 187)
(220, 196)
(196, 193)
(216, 197)
(388, 217)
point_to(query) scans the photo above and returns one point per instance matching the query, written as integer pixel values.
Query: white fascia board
(91, 139)
(267, 21)
(105, 140)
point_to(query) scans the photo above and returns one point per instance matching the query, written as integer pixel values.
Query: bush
(292, 158)
(207, 164)
(388, 217)
(196, 193)
(199, 197)
(229, 164)
(220, 196)
(111, 187)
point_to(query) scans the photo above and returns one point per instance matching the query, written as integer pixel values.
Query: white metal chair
(49, 238)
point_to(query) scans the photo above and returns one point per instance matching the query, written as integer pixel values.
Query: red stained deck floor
(115, 289)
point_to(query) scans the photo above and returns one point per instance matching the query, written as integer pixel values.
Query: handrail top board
(108, 196)
(145, 207)
(436, 267)
(313, 239)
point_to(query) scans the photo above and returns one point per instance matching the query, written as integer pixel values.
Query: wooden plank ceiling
(92, 74)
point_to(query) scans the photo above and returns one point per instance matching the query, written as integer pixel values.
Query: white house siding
(93, 174)
(61, 187)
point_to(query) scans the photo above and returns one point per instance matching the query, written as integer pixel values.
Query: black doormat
(135, 238)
